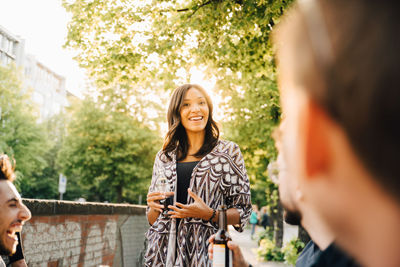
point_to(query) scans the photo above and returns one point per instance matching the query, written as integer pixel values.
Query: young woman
(201, 170)
(254, 219)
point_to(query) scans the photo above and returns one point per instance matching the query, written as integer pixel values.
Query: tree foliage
(44, 185)
(20, 136)
(152, 45)
(108, 152)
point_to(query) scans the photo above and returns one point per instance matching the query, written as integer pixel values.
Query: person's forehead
(193, 93)
(7, 191)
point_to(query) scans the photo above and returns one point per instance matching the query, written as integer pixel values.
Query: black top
(332, 256)
(184, 173)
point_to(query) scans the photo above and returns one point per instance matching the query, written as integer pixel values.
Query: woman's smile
(196, 119)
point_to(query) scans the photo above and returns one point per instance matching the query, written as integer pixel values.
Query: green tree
(108, 152)
(21, 137)
(154, 44)
(44, 185)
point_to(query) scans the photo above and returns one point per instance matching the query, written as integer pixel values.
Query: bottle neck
(222, 223)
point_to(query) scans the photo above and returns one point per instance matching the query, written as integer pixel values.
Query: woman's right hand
(153, 200)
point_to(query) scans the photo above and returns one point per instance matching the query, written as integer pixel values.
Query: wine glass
(162, 186)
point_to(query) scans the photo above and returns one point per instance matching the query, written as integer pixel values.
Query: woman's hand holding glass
(157, 199)
(153, 200)
(198, 209)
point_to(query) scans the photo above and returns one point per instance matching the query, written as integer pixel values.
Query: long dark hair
(176, 137)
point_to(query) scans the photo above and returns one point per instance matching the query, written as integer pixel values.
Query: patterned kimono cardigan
(220, 173)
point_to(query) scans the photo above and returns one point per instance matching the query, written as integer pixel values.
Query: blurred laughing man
(13, 213)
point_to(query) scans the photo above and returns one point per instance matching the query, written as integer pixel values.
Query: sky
(43, 26)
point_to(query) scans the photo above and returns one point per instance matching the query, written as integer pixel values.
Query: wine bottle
(222, 255)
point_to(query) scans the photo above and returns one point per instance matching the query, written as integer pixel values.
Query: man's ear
(317, 126)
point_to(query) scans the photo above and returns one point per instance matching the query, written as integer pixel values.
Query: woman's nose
(195, 107)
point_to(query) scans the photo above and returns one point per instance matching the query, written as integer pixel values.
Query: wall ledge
(60, 207)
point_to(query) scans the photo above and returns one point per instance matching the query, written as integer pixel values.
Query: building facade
(49, 91)
(47, 87)
(11, 48)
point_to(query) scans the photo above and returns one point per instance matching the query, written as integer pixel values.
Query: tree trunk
(279, 226)
(119, 194)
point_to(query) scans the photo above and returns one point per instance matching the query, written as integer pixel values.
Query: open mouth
(12, 235)
(197, 118)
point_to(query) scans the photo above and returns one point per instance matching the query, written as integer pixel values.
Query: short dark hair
(6, 168)
(176, 137)
(359, 85)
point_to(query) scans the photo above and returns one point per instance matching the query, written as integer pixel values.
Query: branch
(183, 10)
(197, 8)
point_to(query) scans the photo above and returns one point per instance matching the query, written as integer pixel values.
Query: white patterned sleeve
(156, 166)
(239, 193)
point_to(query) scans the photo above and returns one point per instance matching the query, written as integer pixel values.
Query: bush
(268, 233)
(292, 250)
(268, 251)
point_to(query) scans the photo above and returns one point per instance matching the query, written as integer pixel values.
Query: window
(2, 58)
(2, 41)
(38, 98)
(15, 48)
(8, 60)
(10, 46)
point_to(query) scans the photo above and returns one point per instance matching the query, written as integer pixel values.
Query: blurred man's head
(13, 213)
(338, 64)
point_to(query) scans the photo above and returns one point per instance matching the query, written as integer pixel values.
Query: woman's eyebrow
(200, 97)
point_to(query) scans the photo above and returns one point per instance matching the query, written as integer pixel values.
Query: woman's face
(194, 111)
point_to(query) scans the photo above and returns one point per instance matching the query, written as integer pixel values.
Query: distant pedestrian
(264, 217)
(254, 218)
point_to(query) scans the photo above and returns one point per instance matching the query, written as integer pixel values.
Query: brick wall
(65, 233)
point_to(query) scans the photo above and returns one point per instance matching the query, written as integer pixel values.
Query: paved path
(249, 246)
